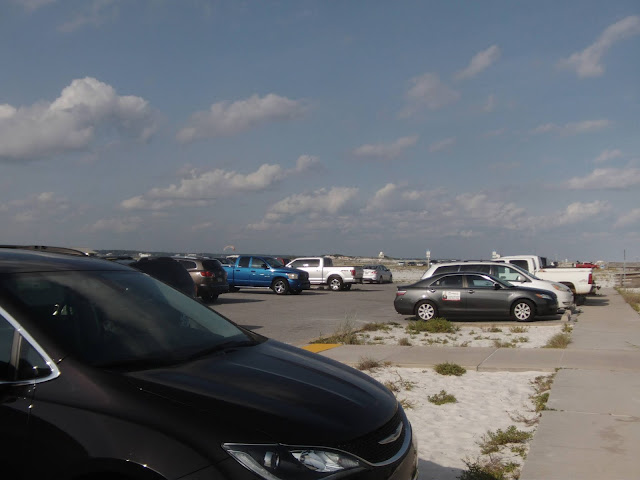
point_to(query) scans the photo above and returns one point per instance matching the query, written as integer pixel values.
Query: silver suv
(510, 273)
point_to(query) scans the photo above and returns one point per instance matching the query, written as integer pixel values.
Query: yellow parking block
(321, 347)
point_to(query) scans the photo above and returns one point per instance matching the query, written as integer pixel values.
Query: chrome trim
(55, 372)
(393, 437)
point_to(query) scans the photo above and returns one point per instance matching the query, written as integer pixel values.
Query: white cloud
(607, 179)
(490, 104)
(427, 91)
(386, 151)
(573, 128)
(480, 62)
(73, 121)
(95, 13)
(578, 212)
(116, 225)
(607, 155)
(201, 188)
(479, 206)
(587, 63)
(328, 201)
(442, 145)
(225, 119)
(36, 207)
(629, 218)
(394, 198)
(32, 5)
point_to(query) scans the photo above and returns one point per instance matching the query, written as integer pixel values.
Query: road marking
(320, 347)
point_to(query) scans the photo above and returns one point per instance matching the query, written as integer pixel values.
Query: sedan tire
(426, 311)
(523, 311)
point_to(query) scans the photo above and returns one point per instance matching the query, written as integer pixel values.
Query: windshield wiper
(222, 347)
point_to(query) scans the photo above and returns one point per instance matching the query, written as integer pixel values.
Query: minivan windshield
(120, 318)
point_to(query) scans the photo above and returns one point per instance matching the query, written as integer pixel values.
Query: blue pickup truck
(251, 271)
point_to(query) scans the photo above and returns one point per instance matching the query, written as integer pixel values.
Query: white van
(510, 273)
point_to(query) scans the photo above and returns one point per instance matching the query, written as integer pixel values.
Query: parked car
(504, 271)
(169, 271)
(579, 280)
(107, 373)
(376, 274)
(258, 271)
(322, 271)
(208, 275)
(472, 294)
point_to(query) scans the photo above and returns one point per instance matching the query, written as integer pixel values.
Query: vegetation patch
(368, 363)
(492, 441)
(376, 327)
(442, 398)
(490, 469)
(404, 342)
(450, 369)
(632, 297)
(435, 325)
(492, 329)
(559, 340)
(346, 334)
(518, 329)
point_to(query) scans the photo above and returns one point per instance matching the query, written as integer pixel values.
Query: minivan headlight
(279, 462)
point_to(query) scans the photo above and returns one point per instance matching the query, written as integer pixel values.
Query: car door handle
(432, 290)
(472, 291)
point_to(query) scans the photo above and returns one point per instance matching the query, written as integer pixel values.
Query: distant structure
(381, 255)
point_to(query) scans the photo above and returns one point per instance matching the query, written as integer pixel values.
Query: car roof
(15, 260)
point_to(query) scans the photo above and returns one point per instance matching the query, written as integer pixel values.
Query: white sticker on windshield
(451, 296)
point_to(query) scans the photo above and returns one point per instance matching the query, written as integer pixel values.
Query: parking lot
(300, 319)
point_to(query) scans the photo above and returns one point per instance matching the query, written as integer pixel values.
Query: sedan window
(476, 281)
(449, 281)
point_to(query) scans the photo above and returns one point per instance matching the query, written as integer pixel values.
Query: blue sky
(312, 127)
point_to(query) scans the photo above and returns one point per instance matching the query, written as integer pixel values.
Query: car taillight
(353, 272)
(206, 273)
(400, 292)
(590, 278)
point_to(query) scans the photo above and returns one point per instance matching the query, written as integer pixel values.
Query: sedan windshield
(119, 318)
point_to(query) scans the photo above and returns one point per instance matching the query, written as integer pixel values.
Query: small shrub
(491, 329)
(491, 469)
(346, 333)
(521, 340)
(441, 398)
(518, 329)
(492, 441)
(559, 340)
(404, 342)
(435, 325)
(500, 344)
(540, 401)
(374, 327)
(566, 328)
(542, 383)
(406, 404)
(450, 369)
(368, 363)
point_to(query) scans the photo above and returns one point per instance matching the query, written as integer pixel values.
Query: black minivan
(107, 373)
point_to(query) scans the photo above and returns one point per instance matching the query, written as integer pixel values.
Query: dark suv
(208, 275)
(107, 373)
(169, 271)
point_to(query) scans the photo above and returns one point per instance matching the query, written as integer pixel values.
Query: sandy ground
(449, 435)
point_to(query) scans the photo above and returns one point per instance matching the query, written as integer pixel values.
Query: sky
(322, 127)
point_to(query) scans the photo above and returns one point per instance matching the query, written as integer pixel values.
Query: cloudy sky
(313, 127)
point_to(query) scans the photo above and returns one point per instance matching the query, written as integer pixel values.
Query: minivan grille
(368, 446)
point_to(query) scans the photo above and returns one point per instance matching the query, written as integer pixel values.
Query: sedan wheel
(522, 311)
(426, 311)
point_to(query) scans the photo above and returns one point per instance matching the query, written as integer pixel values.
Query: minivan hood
(287, 393)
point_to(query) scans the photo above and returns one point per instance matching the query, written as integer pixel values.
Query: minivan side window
(446, 269)
(15, 350)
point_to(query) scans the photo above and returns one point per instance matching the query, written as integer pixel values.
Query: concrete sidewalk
(592, 427)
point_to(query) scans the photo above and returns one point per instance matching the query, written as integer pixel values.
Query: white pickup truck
(322, 272)
(579, 280)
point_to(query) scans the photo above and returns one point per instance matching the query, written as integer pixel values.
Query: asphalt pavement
(591, 428)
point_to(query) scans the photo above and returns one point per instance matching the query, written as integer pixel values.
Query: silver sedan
(376, 274)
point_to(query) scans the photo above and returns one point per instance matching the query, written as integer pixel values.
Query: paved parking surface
(300, 319)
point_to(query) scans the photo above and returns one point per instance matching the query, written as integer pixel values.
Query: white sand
(449, 434)
(486, 401)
